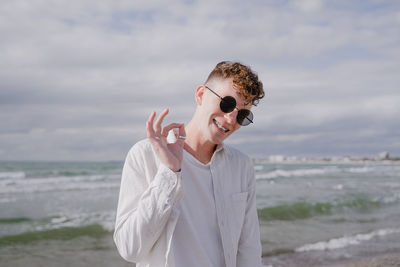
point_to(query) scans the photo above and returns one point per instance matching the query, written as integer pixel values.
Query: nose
(231, 117)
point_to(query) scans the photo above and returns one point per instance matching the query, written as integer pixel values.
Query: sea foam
(295, 173)
(346, 241)
(12, 175)
(62, 183)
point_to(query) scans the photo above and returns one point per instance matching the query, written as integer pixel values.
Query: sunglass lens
(244, 117)
(228, 104)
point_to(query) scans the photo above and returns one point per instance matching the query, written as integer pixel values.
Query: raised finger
(157, 124)
(149, 125)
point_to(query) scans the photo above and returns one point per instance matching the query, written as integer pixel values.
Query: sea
(311, 214)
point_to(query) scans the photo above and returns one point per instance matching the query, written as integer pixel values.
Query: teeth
(220, 126)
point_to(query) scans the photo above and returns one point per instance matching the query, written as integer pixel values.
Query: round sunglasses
(228, 104)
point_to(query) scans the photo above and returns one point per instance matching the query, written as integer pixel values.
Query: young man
(192, 202)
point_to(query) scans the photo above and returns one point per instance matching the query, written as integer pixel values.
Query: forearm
(144, 210)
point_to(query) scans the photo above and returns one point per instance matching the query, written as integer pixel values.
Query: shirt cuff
(168, 182)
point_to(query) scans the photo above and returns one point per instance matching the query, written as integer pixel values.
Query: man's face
(214, 124)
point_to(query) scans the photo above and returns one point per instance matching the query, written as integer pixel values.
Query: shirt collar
(219, 147)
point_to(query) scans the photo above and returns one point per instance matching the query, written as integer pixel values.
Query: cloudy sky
(78, 79)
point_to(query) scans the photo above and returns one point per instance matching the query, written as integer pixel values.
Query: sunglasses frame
(230, 110)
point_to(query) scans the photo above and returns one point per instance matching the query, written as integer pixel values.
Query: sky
(78, 79)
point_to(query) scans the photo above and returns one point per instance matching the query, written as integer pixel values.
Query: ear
(199, 94)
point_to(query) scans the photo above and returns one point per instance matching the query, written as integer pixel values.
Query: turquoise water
(43, 197)
(326, 212)
(313, 211)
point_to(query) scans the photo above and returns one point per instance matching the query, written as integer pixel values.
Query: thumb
(181, 134)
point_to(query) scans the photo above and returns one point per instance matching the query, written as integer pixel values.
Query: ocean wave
(360, 169)
(277, 251)
(106, 219)
(295, 173)
(346, 241)
(20, 225)
(323, 170)
(39, 185)
(63, 233)
(62, 173)
(258, 167)
(305, 210)
(12, 175)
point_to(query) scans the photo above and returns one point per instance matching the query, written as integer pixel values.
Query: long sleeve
(249, 249)
(148, 192)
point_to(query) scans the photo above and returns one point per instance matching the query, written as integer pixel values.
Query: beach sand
(390, 259)
(101, 252)
(386, 260)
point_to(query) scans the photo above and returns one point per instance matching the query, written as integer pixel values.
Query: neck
(196, 145)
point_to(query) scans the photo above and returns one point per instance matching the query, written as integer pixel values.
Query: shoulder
(142, 157)
(240, 167)
(236, 155)
(142, 149)
(142, 146)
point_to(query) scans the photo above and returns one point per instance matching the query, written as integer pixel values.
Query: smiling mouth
(220, 126)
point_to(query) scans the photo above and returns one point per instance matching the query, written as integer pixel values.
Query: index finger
(149, 125)
(157, 125)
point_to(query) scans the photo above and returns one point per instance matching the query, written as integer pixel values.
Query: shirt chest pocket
(237, 214)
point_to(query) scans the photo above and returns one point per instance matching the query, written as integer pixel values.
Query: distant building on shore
(383, 155)
(276, 158)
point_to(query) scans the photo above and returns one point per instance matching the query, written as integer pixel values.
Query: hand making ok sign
(171, 155)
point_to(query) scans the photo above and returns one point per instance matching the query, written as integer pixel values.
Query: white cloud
(308, 5)
(92, 65)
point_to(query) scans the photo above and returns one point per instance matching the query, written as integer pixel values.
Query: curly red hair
(244, 79)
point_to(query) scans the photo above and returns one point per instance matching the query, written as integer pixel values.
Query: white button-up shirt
(197, 223)
(147, 209)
